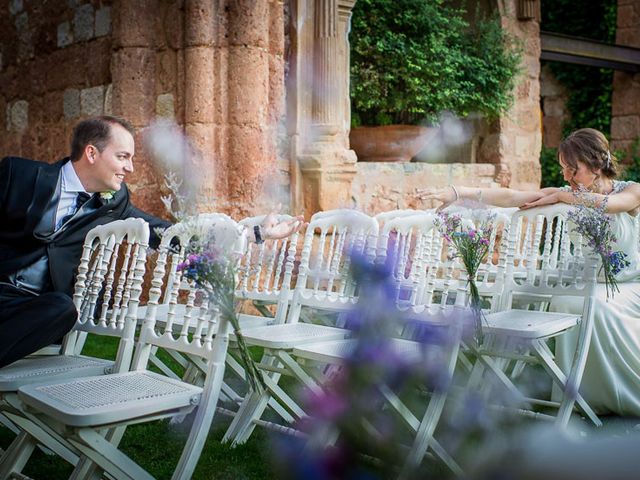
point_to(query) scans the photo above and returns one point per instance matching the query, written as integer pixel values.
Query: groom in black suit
(46, 211)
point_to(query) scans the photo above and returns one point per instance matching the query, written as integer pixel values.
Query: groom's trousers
(30, 322)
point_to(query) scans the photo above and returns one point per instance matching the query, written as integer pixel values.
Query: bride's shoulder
(620, 185)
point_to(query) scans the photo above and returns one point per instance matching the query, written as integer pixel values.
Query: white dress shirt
(70, 187)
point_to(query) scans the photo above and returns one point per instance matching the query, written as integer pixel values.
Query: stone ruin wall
(554, 98)
(216, 68)
(625, 101)
(54, 68)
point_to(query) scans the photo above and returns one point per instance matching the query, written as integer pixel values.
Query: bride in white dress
(611, 382)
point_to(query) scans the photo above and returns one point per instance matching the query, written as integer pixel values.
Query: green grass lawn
(157, 446)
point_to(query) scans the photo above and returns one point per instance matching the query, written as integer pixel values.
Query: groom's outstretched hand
(274, 229)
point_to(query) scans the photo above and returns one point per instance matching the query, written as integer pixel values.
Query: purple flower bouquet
(216, 276)
(591, 221)
(471, 246)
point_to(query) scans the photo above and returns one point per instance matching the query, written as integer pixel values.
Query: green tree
(412, 59)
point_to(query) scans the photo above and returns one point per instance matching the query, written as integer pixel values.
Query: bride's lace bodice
(626, 229)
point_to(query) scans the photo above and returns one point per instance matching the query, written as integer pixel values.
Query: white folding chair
(443, 357)
(266, 273)
(82, 408)
(107, 291)
(410, 246)
(323, 284)
(522, 335)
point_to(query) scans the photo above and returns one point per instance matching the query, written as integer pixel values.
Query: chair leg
(107, 456)
(17, 455)
(45, 436)
(569, 398)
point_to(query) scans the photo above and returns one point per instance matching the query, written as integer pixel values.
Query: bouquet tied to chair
(215, 274)
(471, 245)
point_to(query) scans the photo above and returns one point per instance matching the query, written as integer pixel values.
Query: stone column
(133, 75)
(625, 102)
(515, 139)
(199, 81)
(133, 68)
(327, 165)
(248, 105)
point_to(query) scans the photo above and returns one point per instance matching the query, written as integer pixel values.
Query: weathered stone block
(549, 85)
(52, 107)
(554, 106)
(108, 102)
(200, 23)
(83, 22)
(103, 21)
(19, 115)
(15, 6)
(248, 162)
(167, 69)
(199, 85)
(249, 23)
(628, 37)
(526, 146)
(626, 16)
(625, 127)
(276, 28)
(65, 35)
(626, 96)
(164, 106)
(133, 25)
(248, 86)
(7, 117)
(552, 131)
(92, 100)
(206, 170)
(277, 97)
(133, 75)
(71, 103)
(174, 26)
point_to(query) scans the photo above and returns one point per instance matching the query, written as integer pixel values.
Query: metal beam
(565, 48)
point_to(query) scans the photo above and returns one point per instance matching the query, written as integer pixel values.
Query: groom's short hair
(95, 131)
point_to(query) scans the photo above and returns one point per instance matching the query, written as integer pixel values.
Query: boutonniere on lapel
(107, 196)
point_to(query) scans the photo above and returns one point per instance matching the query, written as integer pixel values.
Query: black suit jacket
(26, 189)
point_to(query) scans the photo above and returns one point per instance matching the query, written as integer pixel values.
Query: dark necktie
(81, 199)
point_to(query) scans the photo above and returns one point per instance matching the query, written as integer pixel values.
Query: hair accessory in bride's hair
(608, 162)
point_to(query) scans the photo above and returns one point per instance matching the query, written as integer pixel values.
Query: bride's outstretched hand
(446, 196)
(548, 199)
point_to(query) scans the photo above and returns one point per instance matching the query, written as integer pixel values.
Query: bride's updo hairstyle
(590, 147)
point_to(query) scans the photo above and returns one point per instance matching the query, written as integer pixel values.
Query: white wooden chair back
(542, 239)
(411, 252)
(199, 324)
(557, 265)
(265, 271)
(331, 239)
(173, 299)
(108, 285)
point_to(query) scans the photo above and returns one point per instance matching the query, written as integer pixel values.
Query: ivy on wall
(589, 88)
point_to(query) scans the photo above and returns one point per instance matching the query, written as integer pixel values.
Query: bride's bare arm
(499, 197)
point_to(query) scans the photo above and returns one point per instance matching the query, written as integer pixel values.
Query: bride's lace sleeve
(620, 185)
